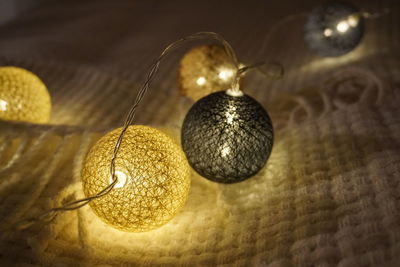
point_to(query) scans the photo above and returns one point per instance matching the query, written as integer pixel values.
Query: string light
(334, 29)
(136, 178)
(158, 212)
(23, 96)
(153, 179)
(205, 69)
(227, 136)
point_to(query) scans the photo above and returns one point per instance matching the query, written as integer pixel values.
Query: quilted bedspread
(328, 196)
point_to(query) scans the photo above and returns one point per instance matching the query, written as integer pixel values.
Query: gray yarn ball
(334, 29)
(226, 138)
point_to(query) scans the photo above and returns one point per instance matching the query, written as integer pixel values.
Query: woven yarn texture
(226, 138)
(328, 196)
(153, 179)
(23, 96)
(204, 70)
(322, 30)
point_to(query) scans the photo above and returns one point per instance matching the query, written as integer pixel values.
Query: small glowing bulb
(230, 114)
(328, 32)
(122, 179)
(225, 151)
(225, 74)
(229, 117)
(353, 20)
(342, 26)
(3, 105)
(201, 81)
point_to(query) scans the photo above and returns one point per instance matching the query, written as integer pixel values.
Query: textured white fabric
(329, 195)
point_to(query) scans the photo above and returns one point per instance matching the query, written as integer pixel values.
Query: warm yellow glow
(353, 20)
(201, 81)
(23, 96)
(203, 70)
(328, 32)
(342, 26)
(122, 179)
(153, 179)
(230, 114)
(229, 118)
(225, 151)
(3, 105)
(226, 74)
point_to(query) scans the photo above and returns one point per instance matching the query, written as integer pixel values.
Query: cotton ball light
(227, 137)
(23, 96)
(334, 29)
(205, 69)
(153, 179)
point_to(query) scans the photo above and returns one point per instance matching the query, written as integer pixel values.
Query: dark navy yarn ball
(227, 139)
(334, 29)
